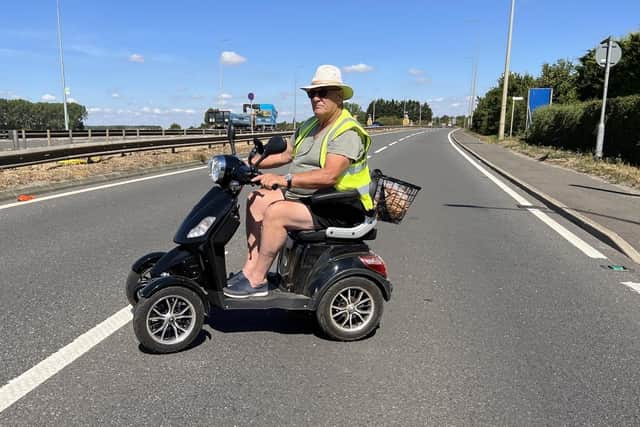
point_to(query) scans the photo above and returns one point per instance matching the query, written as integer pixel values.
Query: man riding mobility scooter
(331, 272)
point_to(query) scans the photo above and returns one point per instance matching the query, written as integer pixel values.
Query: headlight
(202, 227)
(217, 167)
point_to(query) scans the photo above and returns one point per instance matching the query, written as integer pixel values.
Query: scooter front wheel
(351, 309)
(169, 320)
(135, 282)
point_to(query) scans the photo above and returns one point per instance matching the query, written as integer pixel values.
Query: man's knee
(286, 213)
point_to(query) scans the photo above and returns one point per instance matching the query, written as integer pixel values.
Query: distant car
(376, 124)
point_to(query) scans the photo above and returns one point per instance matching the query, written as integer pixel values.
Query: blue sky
(143, 62)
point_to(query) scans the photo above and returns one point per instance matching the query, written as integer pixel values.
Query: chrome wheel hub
(171, 319)
(352, 309)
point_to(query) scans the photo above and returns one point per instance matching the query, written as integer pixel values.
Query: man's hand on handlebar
(270, 181)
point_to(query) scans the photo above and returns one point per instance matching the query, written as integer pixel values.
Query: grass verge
(63, 172)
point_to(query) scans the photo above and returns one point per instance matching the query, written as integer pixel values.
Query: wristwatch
(288, 177)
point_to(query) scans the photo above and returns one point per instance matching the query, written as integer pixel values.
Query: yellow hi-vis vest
(356, 177)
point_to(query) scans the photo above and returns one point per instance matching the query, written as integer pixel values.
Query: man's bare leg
(257, 203)
(277, 219)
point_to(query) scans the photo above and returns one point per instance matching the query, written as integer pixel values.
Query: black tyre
(169, 320)
(351, 309)
(135, 282)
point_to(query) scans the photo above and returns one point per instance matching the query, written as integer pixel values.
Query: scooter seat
(314, 236)
(364, 231)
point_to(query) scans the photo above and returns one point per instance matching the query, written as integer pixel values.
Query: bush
(575, 127)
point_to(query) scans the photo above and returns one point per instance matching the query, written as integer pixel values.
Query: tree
(356, 111)
(562, 77)
(486, 117)
(174, 126)
(396, 109)
(22, 114)
(624, 78)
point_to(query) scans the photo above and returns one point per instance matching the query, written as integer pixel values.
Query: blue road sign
(538, 97)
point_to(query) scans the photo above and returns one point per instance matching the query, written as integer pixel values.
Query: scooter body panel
(216, 203)
(178, 261)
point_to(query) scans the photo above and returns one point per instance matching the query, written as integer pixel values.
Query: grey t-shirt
(349, 144)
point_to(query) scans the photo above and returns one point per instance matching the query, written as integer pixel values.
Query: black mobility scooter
(330, 272)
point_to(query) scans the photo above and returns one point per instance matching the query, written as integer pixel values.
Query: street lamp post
(373, 119)
(64, 85)
(513, 104)
(295, 96)
(505, 84)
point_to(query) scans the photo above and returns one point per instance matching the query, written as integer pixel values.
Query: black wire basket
(393, 197)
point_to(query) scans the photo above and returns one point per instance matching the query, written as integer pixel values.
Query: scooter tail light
(374, 262)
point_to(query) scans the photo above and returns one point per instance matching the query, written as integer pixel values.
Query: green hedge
(575, 127)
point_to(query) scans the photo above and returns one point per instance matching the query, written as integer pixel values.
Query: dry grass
(612, 170)
(62, 172)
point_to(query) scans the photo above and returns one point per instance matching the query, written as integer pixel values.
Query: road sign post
(251, 96)
(513, 105)
(607, 55)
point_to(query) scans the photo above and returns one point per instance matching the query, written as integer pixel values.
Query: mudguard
(339, 269)
(177, 261)
(138, 266)
(159, 283)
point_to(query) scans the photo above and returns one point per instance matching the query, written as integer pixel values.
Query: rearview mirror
(276, 144)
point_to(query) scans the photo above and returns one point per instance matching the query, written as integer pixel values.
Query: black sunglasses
(321, 93)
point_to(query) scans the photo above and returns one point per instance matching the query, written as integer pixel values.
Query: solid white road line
(632, 285)
(99, 187)
(568, 235)
(20, 386)
(380, 150)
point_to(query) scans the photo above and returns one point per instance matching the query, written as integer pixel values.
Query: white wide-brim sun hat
(329, 76)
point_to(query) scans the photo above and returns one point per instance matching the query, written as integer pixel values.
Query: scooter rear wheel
(169, 320)
(351, 309)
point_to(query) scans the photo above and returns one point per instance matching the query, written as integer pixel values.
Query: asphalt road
(496, 319)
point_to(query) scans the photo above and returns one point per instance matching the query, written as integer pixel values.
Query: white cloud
(232, 58)
(115, 95)
(48, 97)
(136, 57)
(72, 100)
(95, 110)
(423, 80)
(415, 71)
(225, 96)
(183, 110)
(357, 68)
(456, 104)
(435, 100)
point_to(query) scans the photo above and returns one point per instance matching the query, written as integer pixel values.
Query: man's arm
(325, 177)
